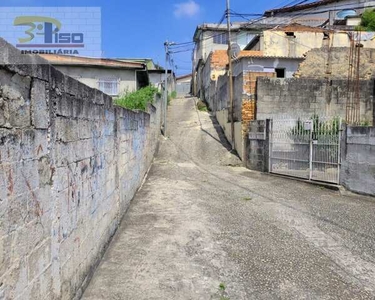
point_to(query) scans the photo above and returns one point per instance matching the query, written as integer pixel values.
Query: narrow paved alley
(203, 227)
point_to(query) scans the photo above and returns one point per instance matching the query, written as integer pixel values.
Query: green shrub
(174, 95)
(367, 21)
(138, 99)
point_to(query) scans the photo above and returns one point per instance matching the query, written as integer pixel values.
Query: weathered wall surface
(333, 63)
(358, 160)
(309, 96)
(222, 118)
(277, 43)
(257, 146)
(266, 65)
(70, 162)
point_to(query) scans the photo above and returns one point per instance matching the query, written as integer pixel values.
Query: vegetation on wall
(367, 21)
(138, 99)
(201, 106)
(321, 128)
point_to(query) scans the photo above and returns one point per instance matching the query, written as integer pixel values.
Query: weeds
(138, 99)
(201, 106)
(223, 292)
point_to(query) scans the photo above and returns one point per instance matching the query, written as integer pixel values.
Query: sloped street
(203, 227)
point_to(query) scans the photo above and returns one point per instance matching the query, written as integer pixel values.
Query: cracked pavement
(201, 220)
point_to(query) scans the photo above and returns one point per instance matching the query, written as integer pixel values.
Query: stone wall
(358, 160)
(333, 63)
(309, 96)
(70, 163)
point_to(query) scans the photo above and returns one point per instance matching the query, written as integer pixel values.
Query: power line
(180, 47)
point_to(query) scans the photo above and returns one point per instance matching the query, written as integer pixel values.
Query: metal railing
(306, 147)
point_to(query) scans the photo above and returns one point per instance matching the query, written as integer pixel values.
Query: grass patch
(138, 99)
(222, 287)
(222, 292)
(201, 106)
(248, 198)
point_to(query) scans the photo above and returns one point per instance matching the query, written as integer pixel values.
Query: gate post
(342, 150)
(268, 146)
(311, 153)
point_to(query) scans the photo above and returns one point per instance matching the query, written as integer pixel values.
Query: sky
(139, 28)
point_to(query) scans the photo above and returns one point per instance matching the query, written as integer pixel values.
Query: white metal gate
(307, 148)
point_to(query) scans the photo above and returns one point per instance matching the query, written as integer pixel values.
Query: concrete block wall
(309, 96)
(257, 146)
(70, 163)
(358, 160)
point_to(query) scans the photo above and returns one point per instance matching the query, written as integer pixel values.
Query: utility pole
(166, 46)
(230, 77)
(166, 87)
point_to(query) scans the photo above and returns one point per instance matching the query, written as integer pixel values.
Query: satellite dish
(235, 50)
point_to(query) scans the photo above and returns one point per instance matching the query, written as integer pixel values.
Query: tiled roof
(255, 55)
(219, 58)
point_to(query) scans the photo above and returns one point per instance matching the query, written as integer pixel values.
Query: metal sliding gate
(307, 148)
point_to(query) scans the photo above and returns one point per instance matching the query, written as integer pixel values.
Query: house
(150, 64)
(183, 85)
(111, 76)
(157, 79)
(210, 37)
(295, 40)
(329, 13)
(282, 66)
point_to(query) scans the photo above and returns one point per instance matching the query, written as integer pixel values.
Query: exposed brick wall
(219, 59)
(70, 162)
(249, 97)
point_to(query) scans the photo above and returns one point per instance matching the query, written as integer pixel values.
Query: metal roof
(294, 8)
(55, 59)
(184, 76)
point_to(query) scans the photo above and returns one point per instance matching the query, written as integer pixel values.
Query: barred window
(109, 86)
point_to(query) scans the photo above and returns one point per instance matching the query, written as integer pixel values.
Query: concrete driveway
(204, 228)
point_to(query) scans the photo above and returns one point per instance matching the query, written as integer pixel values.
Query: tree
(368, 20)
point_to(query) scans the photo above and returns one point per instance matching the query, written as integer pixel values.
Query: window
(109, 86)
(221, 38)
(290, 34)
(280, 73)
